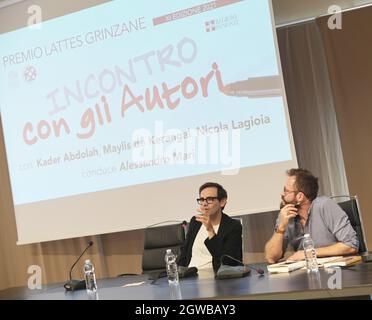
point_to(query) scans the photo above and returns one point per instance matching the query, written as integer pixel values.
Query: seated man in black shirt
(212, 233)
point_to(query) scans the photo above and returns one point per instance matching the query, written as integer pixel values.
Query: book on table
(343, 261)
(286, 266)
(289, 266)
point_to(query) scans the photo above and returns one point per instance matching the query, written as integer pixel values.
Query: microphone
(228, 272)
(73, 285)
(157, 275)
(185, 272)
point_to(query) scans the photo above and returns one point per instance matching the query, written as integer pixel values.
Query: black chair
(157, 241)
(351, 207)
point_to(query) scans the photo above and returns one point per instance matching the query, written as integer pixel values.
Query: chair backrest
(157, 241)
(351, 208)
(240, 219)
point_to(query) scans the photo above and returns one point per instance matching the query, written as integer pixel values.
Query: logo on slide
(210, 26)
(221, 23)
(30, 73)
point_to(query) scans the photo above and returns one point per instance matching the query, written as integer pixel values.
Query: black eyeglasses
(285, 191)
(209, 200)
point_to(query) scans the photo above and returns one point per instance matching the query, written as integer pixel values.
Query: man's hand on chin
(299, 255)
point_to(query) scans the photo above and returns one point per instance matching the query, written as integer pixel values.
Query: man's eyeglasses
(285, 191)
(209, 200)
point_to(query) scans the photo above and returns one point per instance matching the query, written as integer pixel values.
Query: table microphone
(226, 272)
(73, 285)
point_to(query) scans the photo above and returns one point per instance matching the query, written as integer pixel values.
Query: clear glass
(171, 267)
(175, 291)
(173, 277)
(310, 254)
(90, 277)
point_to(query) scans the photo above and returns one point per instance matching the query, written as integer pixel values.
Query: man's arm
(337, 249)
(274, 247)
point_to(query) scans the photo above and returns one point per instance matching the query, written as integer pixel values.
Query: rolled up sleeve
(340, 225)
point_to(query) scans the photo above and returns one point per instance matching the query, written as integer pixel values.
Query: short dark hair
(221, 192)
(306, 182)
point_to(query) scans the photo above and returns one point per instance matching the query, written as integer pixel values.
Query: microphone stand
(73, 285)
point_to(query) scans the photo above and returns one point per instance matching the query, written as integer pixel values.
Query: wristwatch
(277, 230)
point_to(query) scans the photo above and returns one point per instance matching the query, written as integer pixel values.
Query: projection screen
(114, 115)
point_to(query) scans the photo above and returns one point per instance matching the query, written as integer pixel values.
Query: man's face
(215, 206)
(289, 193)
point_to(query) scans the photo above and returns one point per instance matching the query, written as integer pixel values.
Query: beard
(283, 203)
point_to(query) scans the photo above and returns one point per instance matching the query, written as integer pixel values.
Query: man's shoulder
(193, 220)
(231, 220)
(323, 202)
(326, 206)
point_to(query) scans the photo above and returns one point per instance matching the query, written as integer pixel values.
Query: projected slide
(122, 95)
